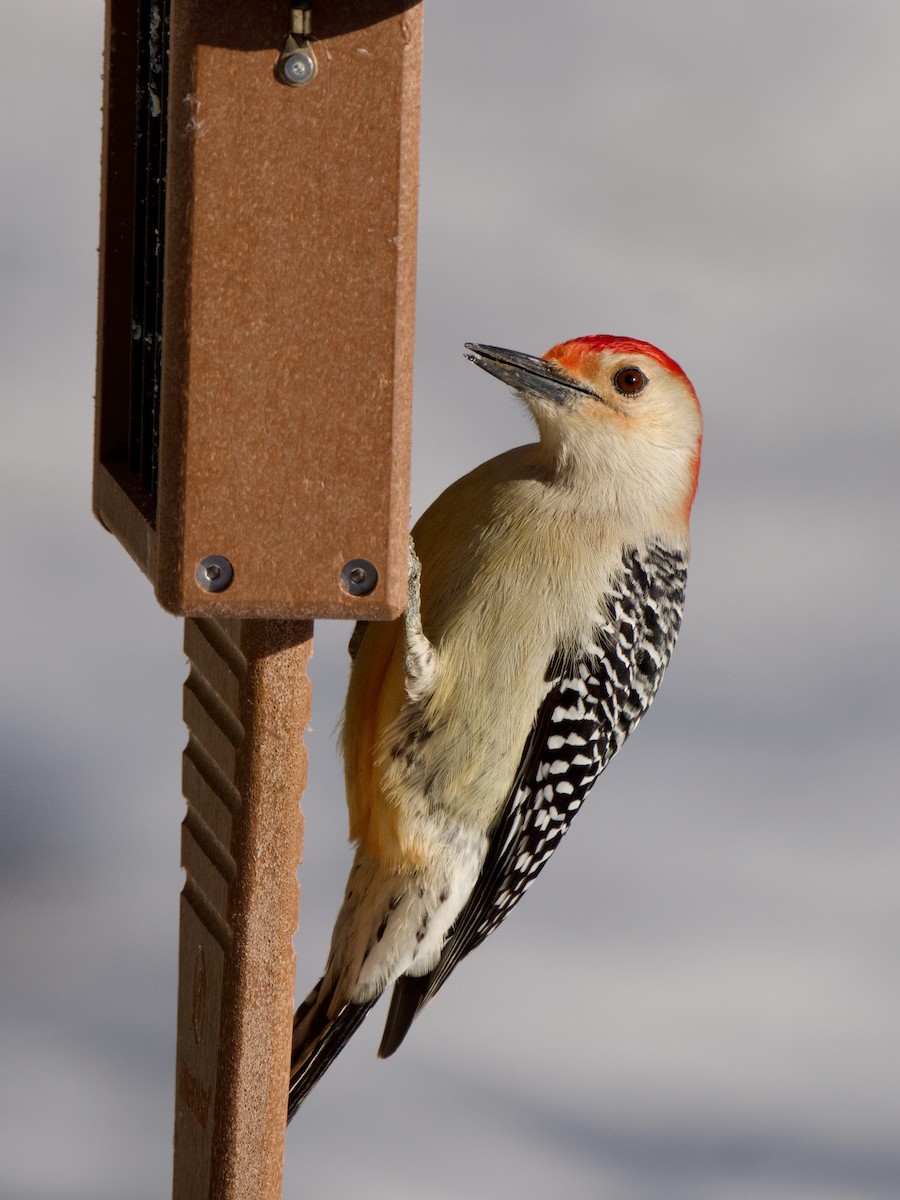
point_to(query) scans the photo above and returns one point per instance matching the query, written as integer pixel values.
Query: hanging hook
(297, 62)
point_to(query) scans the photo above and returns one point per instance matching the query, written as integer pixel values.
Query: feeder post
(254, 388)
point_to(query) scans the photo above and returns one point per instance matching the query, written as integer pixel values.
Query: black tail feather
(409, 995)
(311, 1064)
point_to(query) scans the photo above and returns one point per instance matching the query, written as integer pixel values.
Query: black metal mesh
(149, 237)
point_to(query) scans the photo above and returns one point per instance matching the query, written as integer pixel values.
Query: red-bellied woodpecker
(538, 628)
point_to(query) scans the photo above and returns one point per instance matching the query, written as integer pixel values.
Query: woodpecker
(545, 595)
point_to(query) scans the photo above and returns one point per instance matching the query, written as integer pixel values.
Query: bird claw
(419, 657)
(414, 584)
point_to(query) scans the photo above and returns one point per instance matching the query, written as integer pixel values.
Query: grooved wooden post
(246, 707)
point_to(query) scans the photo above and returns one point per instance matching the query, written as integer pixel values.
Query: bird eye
(629, 381)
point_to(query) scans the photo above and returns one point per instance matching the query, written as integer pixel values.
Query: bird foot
(419, 656)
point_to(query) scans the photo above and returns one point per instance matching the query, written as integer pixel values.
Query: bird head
(613, 413)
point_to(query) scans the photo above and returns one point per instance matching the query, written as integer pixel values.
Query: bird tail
(318, 1041)
(410, 994)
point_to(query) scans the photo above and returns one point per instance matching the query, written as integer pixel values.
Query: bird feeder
(255, 348)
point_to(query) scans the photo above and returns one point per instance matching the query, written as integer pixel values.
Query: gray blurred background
(699, 999)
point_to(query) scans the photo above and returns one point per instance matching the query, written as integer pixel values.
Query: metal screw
(358, 577)
(296, 68)
(214, 573)
(296, 63)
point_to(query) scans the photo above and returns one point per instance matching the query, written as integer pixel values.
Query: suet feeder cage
(255, 349)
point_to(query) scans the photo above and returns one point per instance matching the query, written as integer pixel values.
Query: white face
(636, 394)
(616, 416)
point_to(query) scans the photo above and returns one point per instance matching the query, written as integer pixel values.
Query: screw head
(296, 68)
(214, 573)
(358, 577)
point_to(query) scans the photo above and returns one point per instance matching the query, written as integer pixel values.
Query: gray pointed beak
(526, 373)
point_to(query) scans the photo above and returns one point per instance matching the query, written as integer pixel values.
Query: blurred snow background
(699, 1000)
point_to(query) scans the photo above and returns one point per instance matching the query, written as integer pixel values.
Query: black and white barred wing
(592, 704)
